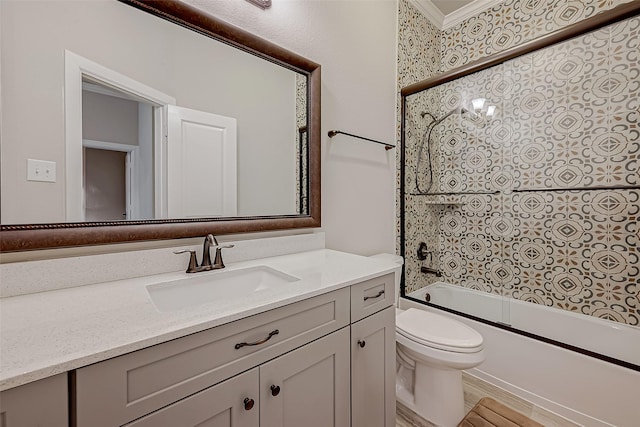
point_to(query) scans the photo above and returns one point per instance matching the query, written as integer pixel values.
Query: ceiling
(447, 13)
(448, 6)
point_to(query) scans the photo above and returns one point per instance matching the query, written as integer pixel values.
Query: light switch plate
(41, 170)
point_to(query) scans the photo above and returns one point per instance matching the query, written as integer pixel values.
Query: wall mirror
(141, 120)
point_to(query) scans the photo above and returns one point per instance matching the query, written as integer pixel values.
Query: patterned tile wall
(418, 59)
(512, 23)
(567, 116)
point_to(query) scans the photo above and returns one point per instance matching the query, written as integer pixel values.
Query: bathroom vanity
(318, 351)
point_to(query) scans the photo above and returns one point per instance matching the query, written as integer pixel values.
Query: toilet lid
(438, 331)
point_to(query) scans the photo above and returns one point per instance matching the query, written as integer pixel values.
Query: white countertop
(47, 333)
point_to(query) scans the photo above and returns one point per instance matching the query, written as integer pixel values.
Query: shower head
(425, 142)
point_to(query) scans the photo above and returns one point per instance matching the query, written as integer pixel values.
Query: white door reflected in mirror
(201, 164)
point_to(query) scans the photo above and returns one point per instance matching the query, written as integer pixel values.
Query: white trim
(131, 171)
(428, 9)
(106, 145)
(103, 90)
(160, 132)
(131, 183)
(76, 68)
(442, 21)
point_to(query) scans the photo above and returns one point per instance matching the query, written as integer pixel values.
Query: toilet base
(438, 397)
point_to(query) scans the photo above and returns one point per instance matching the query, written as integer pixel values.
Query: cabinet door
(373, 362)
(308, 387)
(40, 403)
(232, 403)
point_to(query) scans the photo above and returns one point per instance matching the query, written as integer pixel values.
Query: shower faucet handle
(423, 251)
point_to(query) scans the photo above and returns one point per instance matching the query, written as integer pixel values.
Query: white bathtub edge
(546, 404)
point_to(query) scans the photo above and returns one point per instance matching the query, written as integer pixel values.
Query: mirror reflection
(115, 114)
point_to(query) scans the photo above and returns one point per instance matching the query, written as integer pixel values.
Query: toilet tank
(398, 260)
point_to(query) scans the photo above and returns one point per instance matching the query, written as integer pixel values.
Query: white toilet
(431, 351)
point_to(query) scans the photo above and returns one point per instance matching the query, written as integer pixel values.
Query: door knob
(275, 390)
(248, 404)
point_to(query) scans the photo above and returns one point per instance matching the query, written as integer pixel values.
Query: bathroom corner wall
(568, 117)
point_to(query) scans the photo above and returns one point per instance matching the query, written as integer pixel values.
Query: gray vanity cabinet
(302, 364)
(313, 381)
(37, 404)
(373, 362)
(308, 387)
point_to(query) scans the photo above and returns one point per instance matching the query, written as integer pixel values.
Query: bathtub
(614, 340)
(584, 389)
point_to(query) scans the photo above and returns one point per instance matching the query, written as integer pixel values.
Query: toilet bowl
(432, 349)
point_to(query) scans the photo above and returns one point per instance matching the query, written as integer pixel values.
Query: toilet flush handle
(361, 343)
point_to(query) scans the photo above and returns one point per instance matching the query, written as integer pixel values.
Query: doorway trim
(75, 69)
(131, 167)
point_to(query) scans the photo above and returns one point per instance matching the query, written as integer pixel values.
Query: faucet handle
(193, 261)
(218, 263)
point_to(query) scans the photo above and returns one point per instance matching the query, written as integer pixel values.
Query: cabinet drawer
(371, 296)
(122, 389)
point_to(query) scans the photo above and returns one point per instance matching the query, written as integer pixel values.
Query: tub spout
(427, 270)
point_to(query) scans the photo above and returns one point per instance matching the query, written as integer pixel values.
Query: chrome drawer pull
(378, 295)
(262, 341)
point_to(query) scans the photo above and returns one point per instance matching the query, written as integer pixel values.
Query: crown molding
(428, 9)
(442, 21)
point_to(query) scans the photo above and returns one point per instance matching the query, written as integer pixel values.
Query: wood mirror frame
(41, 236)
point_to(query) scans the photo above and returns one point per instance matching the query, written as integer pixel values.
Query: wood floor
(474, 390)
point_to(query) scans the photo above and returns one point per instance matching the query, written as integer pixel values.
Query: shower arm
(425, 141)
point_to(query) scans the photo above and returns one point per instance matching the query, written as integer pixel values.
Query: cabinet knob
(248, 404)
(275, 390)
(361, 343)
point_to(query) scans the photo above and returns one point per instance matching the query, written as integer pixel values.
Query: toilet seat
(438, 331)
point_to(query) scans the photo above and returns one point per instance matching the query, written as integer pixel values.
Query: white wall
(109, 119)
(355, 43)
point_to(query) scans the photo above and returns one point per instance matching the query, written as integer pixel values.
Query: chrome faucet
(209, 242)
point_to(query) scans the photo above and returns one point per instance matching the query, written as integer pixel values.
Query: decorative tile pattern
(566, 116)
(302, 194)
(418, 58)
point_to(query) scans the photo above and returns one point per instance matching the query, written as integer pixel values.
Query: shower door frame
(603, 19)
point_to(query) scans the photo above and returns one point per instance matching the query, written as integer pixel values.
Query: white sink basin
(221, 285)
